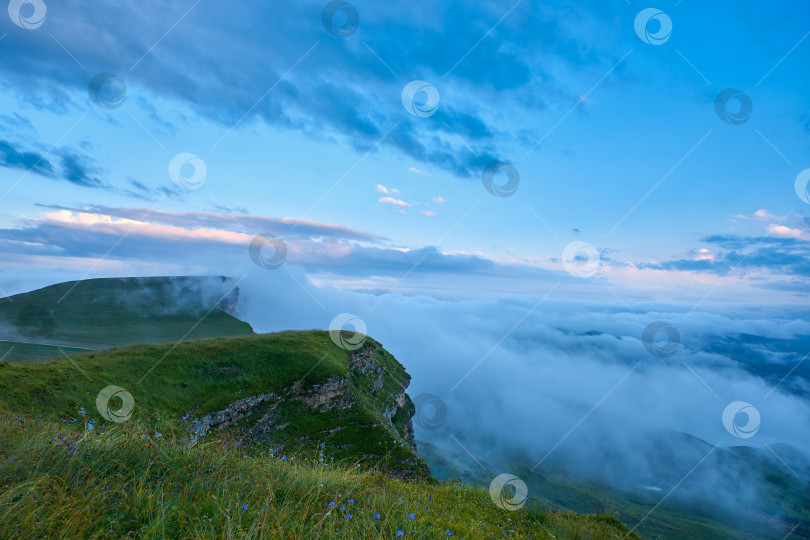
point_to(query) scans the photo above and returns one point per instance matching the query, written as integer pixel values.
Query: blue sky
(617, 143)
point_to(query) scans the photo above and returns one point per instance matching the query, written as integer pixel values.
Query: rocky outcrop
(272, 417)
(230, 415)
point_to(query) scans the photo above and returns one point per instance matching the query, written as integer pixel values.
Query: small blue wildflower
(323, 445)
(284, 458)
(351, 501)
(399, 532)
(342, 508)
(331, 504)
(376, 516)
(348, 516)
(244, 507)
(411, 516)
(449, 533)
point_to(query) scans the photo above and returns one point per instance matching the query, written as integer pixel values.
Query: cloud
(336, 89)
(72, 166)
(80, 170)
(428, 213)
(396, 202)
(783, 252)
(13, 158)
(18, 123)
(759, 215)
(786, 232)
(439, 200)
(244, 223)
(610, 425)
(217, 242)
(387, 191)
(419, 171)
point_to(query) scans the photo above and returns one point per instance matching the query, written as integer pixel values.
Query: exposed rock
(366, 375)
(233, 413)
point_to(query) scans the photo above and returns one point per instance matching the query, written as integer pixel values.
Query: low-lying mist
(573, 387)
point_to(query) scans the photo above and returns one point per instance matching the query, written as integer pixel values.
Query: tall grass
(131, 480)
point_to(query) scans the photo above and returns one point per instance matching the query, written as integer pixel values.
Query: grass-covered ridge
(334, 427)
(288, 371)
(98, 313)
(62, 480)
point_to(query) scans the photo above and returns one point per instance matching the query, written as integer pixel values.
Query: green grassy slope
(64, 481)
(150, 477)
(12, 351)
(116, 311)
(197, 378)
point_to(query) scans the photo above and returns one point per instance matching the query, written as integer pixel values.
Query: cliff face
(363, 414)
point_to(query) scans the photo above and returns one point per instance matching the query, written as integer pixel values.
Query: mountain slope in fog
(99, 313)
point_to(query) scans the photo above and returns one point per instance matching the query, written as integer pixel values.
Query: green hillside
(305, 389)
(100, 313)
(282, 423)
(63, 481)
